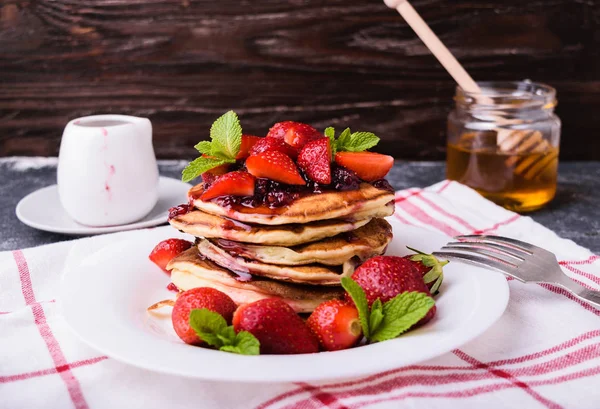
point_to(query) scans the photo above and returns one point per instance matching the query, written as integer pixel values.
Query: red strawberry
(385, 277)
(238, 183)
(273, 144)
(196, 298)
(248, 141)
(276, 326)
(294, 133)
(166, 250)
(336, 324)
(368, 166)
(315, 160)
(275, 166)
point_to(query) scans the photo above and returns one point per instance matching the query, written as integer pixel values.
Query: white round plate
(104, 301)
(42, 210)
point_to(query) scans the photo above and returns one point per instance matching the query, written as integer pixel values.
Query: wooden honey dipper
(517, 142)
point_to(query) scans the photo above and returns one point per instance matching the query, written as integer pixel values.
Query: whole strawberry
(166, 250)
(336, 324)
(430, 268)
(384, 277)
(277, 326)
(197, 298)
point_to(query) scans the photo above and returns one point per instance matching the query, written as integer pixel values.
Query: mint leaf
(343, 139)
(401, 313)
(361, 141)
(244, 343)
(226, 135)
(208, 325)
(376, 315)
(200, 165)
(330, 133)
(212, 328)
(204, 147)
(360, 301)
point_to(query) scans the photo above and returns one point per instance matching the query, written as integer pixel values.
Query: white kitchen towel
(543, 352)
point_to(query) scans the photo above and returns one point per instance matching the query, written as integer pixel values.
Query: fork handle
(590, 296)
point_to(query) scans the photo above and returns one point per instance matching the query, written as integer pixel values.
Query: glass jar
(504, 143)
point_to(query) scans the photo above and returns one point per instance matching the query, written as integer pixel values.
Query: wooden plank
(331, 62)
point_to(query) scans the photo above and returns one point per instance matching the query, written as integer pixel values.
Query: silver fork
(517, 259)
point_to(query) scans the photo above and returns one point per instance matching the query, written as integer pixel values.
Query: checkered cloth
(543, 352)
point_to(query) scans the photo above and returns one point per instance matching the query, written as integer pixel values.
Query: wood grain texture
(183, 63)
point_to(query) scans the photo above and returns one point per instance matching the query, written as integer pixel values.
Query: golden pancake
(364, 242)
(365, 203)
(314, 274)
(201, 224)
(189, 270)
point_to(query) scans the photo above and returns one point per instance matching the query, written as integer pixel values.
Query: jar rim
(508, 93)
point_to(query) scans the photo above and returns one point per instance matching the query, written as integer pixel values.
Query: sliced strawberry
(166, 250)
(295, 134)
(238, 183)
(369, 166)
(336, 324)
(248, 141)
(275, 166)
(315, 160)
(273, 144)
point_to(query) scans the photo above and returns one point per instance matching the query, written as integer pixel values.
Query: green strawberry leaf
(244, 343)
(436, 272)
(360, 141)
(401, 313)
(200, 165)
(360, 301)
(208, 325)
(376, 316)
(226, 135)
(212, 328)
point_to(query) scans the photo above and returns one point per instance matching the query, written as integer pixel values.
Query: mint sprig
(388, 320)
(226, 139)
(212, 328)
(349, 141)
(435, 274)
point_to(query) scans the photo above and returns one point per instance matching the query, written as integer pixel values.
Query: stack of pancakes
(297, 252)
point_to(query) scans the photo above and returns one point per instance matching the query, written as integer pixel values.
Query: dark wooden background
(338, 62)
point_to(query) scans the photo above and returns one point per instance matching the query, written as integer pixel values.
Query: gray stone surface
(574, 214)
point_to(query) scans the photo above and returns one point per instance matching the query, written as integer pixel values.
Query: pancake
(314, 274)
(189, 270)
(364, 242)
(201, 224)
(365, 203)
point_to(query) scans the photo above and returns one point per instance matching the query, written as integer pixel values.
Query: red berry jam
(272, 194)
(172, 287)
(179, 210)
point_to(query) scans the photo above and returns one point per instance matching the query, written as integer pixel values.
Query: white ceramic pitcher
(107, 171)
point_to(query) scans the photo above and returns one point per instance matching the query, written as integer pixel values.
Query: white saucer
(42, 210)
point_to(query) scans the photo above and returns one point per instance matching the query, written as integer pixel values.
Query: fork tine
(496, 248)
(515, 244)
(477, 261)
(490, 255)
